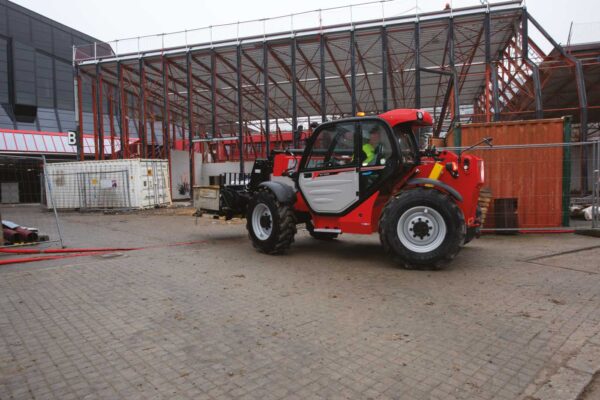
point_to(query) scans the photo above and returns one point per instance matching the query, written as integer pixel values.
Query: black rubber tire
(284, 223)
(473, 233)
(443, 204)
(320, 235)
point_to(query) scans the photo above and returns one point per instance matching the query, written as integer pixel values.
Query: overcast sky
(113, 19)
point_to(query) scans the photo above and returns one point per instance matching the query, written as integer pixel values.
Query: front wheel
(271, 225)
(422, 228)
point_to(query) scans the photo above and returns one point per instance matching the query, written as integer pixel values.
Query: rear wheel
(271, 225)
(320, 235)
(422, 228)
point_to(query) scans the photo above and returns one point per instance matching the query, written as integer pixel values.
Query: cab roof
(403, 115)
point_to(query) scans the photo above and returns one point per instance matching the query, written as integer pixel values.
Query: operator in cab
(371, 147)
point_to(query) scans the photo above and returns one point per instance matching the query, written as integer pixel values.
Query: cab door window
(376, 148)
(377, 156)
(334, 147)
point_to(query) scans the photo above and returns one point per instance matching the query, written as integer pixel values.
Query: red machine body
(465, 174)
(363, 175)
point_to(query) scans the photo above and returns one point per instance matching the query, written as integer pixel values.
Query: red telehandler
(364, 175)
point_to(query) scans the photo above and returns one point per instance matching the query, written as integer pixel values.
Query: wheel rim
(421, 229)
(262, 221)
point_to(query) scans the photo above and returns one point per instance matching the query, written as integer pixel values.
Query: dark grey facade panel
(27, 126)
(5, 121)
(67, 120)
(133, 129)
(3, 71)
(63, 44)
(88, 123)
(24, 73)
(44, 79)
(19, 26)
(86, 95)
(64, 86)
(42, 69)
(40, 19)
(42, 37)
(3, 20)
(47, 119)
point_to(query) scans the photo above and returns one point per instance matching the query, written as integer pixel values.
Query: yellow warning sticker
(436, 171)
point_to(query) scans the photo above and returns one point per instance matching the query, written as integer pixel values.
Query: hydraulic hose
(57, 254)
(46, 258)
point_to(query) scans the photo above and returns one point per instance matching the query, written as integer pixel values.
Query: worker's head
(375, 135)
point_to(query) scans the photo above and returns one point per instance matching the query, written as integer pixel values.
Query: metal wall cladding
(532, 175)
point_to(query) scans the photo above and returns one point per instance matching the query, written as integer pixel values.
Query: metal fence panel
(104, 190)
(22, 191)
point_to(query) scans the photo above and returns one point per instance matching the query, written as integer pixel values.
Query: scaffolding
(237, 98)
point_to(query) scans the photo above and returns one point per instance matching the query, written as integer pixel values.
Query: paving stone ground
(216, 320)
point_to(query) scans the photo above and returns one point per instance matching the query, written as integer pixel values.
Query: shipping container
(528, 168)
(108, 184)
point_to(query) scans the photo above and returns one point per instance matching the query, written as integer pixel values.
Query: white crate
(131, 183)
(207, 198)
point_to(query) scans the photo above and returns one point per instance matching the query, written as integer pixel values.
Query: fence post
(51, 198)
(596, 185)
(566, 175)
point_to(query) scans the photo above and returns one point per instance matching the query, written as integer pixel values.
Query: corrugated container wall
(534, 176)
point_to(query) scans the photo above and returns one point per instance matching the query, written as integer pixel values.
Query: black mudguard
(441, 185)
(285, 194)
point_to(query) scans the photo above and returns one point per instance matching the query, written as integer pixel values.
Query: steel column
(111, 121)
(266, 98)
(495, 93)
(455, 84)
(294, 98)
(123, 112)
(524, 35)
(417, 65)
(99, 114)
(537, 89)
(384, 68)
(455, 77)
(142, 109)
(239, 106)
(190, 116)
(95, 116)
(353, 70)
(322, 78)
(535, 72)
(581, 92)
(166, 111)
(488, 65)
(120, 108)
(79, 115)
(213, 93)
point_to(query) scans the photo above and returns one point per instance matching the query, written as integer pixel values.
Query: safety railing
(341, 17)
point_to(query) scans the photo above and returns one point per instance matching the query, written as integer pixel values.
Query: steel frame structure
(230, 99)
